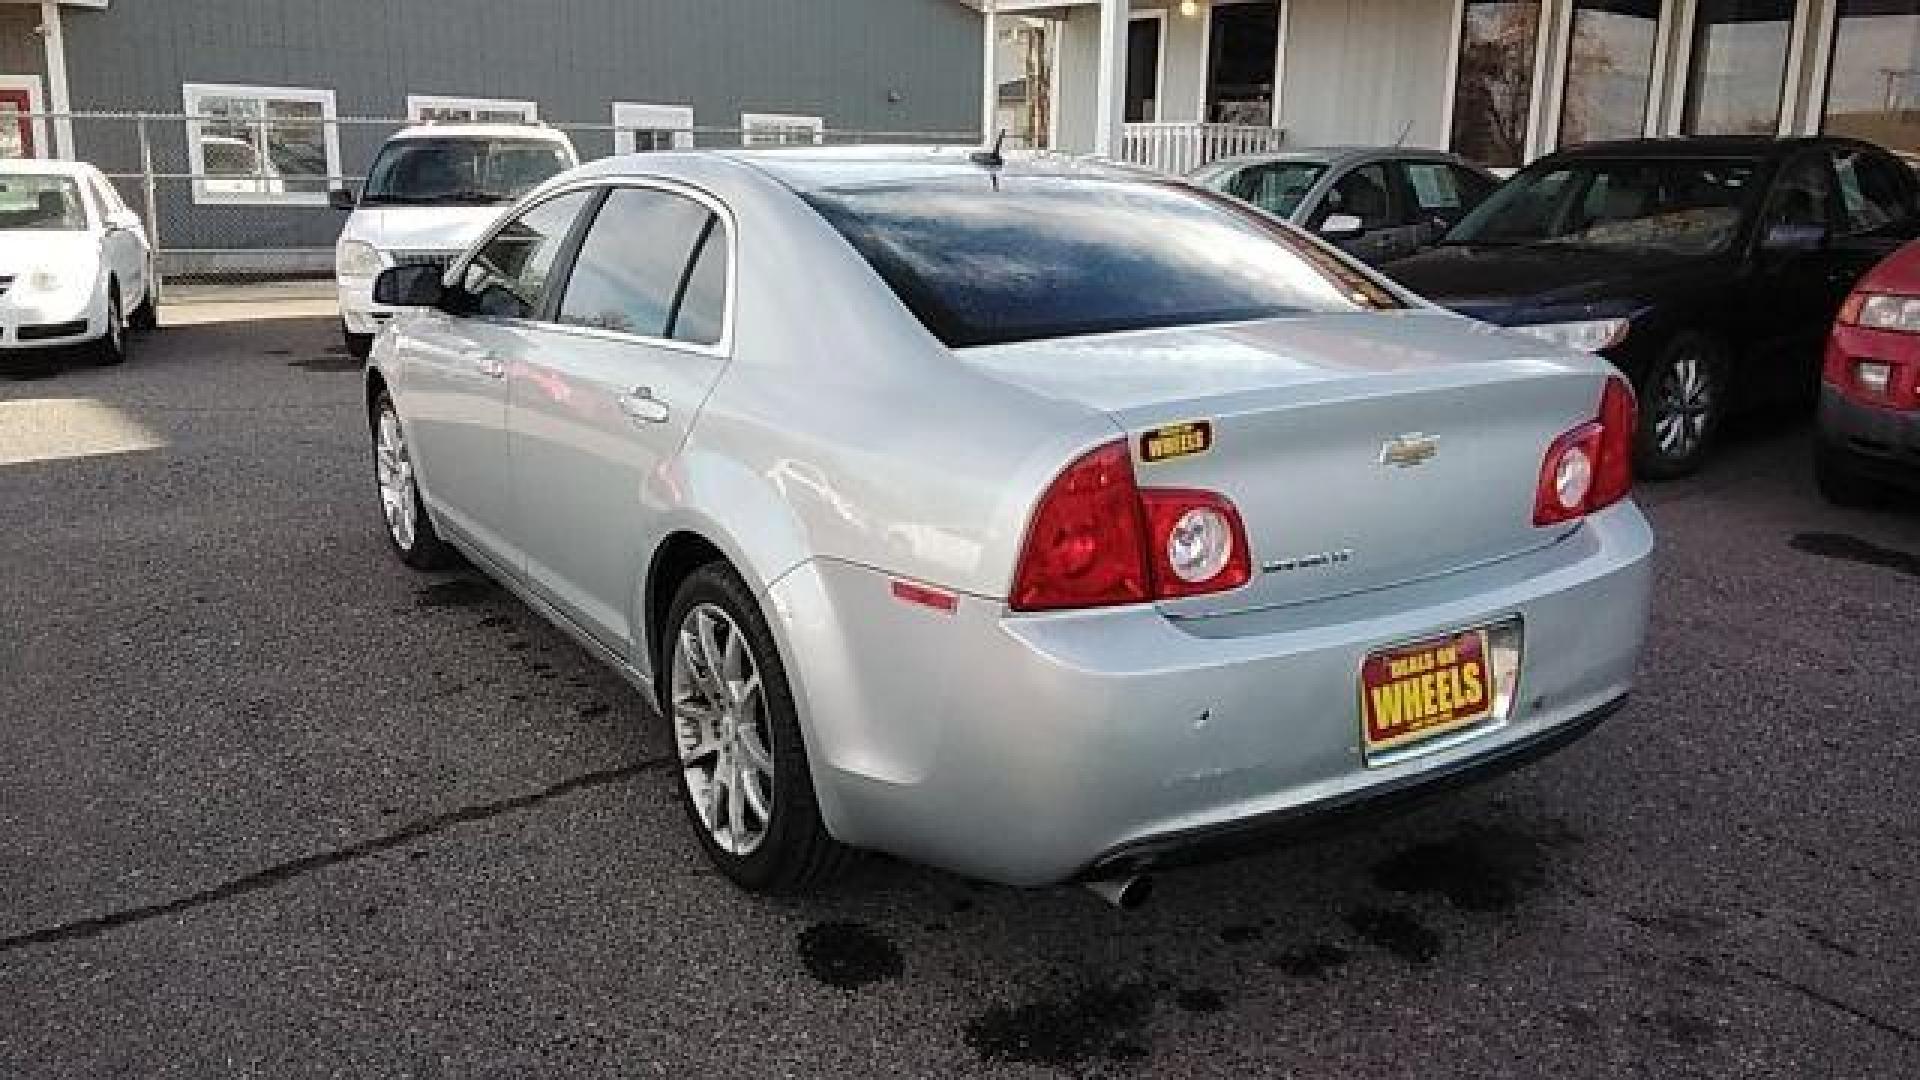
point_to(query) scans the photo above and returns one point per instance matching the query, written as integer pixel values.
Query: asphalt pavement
(273, 805)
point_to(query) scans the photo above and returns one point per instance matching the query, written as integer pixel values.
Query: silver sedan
(1030, 519)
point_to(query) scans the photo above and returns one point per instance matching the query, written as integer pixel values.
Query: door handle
(485, 363)
(640, 405)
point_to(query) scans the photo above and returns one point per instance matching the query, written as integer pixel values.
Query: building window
(1873, 92)
(1737, 72)
(437, 109)
(639, 127)
(1609, 70)
(1146, 36)
(261, 144)
(1242, 49)
(780, 129)
(1493, 94)
(1023, 74)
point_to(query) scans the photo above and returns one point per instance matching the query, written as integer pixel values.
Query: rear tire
(146, 317)
(409, 529)
(112, 346)
(744, 776)
(359, 346)
(1841, 480)
(1682, 405)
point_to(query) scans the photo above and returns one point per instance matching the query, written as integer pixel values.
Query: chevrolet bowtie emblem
(1406, 451)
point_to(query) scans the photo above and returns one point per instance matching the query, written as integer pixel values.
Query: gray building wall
(21, 50)
(861, 65)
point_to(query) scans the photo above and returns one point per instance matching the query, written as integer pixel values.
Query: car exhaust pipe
(1126, 893)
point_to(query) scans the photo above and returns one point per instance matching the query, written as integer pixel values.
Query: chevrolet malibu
(1031, 519)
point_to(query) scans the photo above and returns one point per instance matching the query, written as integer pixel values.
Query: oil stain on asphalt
(848, 955)
(1853, 549)
(1484, 870)
(1313, 962)
(1069, 1025)
(455, 592)
(1396, 932)
(327, 363)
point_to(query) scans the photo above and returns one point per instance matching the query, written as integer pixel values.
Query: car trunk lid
(1361, 450)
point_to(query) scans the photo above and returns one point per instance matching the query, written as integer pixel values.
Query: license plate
(1414, 693)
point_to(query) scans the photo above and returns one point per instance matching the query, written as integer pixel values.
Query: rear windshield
(42, 203)
(993, 259)
(461, 170)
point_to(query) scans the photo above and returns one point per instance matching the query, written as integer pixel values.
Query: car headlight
(1882, 311)
(357, 258)
(1592, 335)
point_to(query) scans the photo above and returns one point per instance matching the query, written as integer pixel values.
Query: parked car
(1377, 203)
(1708, 270)
(1869, 442)
(75, 268)
(1035, 520)
(430, 191)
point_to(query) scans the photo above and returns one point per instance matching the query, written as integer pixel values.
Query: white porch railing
(1182, 148)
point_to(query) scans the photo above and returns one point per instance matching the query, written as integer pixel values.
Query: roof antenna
(991, 158)
(1405, 130)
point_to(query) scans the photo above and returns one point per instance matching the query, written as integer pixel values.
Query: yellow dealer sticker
(1176, 441)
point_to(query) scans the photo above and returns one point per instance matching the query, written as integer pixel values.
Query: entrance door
(16, 121)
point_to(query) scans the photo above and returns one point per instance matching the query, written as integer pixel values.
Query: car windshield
(990, 259)
(461, 170)
(1274, 186)
(1682, 207)
(41, 203)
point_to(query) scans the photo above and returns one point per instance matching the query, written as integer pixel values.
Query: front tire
(744, 777)
(1682, 405)
(113, 346)
(146, 317)
(409, 529)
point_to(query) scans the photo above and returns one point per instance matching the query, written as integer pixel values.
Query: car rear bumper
(1037, 749)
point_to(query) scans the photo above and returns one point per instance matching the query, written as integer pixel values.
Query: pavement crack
(282, 873)
(1898, 1031)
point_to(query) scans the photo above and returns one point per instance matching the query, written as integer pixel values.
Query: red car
(1869, 440)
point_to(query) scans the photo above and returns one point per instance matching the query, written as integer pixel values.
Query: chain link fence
(242, 196)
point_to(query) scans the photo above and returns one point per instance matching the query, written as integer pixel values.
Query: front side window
(640, 269)
(1366, 193)
(1737, 73)
(261, 144)
(507, 279)
(1493, 94)
(1278, 187)
(1682, 207)
(1609, 70)
(1803, 198)
(1873, 90)
(461, 170)
(993, 259)
(40, 204)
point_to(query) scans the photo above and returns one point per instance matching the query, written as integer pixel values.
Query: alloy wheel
(393, 467)
(1683, 406)
(721, 729)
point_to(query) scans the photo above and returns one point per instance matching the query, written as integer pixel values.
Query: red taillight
(1591, 467)
(1096, 540)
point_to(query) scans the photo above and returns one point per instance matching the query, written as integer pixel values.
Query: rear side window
(508, 278)
(984, 260)
(1873, 192)
(648, 266)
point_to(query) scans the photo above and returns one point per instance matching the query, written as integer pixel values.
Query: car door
(600, 408)
(455, 363)
(1790, 302)
(1371, 193)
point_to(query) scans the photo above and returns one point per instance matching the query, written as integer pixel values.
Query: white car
(75, 265)
(431, 191)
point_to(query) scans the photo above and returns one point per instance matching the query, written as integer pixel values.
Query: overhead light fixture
(1189, 8)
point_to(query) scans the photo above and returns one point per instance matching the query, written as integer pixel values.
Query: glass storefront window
(1493, 98)
(1738, 70)
(1609, 70)
(1023, 74)
(1873, 92)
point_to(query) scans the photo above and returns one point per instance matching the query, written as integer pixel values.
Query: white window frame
(1158, 15)
(1548, 129)
(1796, 59)
(419, 103)
(36, 104)
(191, 95)
(632, 116)
(751, 121)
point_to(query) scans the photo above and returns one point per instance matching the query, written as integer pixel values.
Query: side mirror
(1342, 227)
(1796, 239)
(341, 198)
(412, 285)
(124, 221)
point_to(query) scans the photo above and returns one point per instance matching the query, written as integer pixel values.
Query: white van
(432, 190)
